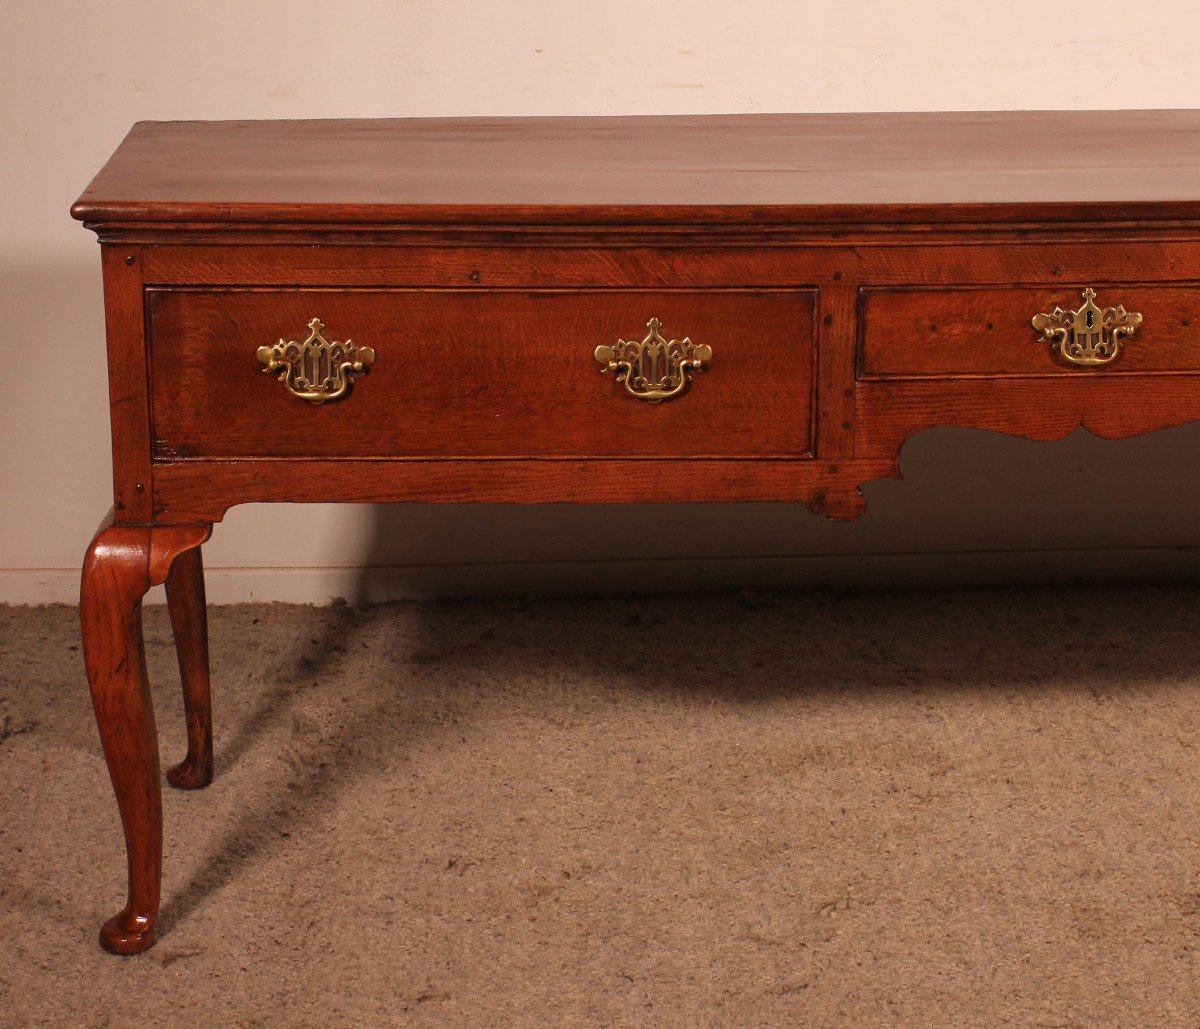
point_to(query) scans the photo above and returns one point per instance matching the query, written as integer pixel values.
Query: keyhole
(1090, 316)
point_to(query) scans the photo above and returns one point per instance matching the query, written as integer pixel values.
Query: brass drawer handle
(318, 369)
(655, 369)
(1090, 336)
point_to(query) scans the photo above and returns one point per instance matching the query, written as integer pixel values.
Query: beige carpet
(968, 809)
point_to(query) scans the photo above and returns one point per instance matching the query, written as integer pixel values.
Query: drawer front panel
(481, 374)
(969, 331)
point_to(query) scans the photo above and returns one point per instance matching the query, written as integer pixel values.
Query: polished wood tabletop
(933, 167)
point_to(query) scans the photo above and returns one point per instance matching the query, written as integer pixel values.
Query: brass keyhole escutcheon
(654, 368)
(1090, 336)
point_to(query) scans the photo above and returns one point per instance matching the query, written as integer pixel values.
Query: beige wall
(76, 74)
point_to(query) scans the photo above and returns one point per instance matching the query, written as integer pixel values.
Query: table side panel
(1115, 256)
(128, 387)
(889, 412)
(863, 421)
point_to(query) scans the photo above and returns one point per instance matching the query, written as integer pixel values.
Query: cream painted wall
(76, 74)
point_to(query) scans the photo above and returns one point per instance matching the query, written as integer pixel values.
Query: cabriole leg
(122, 563)
(189, 620)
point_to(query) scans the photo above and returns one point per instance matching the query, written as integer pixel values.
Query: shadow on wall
(974, 507)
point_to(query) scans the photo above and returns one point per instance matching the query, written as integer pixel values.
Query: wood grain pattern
(189, 623)
(987, 332)
(1116, 257)
(128, 389)
(1041, 165)
(483, 374)
(836, 355)
(1109, 406)
(121, 564)
(205, 490)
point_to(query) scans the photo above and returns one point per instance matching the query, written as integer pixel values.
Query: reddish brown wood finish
(1109, 406)
(1110, 254)
(128, 390)
(978, 331)
(859, 277)
(122, 563)
(204, 490)
(480, 374)
(758, 169)
(189, 621)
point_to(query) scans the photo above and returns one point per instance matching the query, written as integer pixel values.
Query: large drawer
(988, 331)
(499, 373)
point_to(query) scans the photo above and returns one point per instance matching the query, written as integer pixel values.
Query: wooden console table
(589, 310)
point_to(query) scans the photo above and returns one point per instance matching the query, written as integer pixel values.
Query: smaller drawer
(494, 374)
(987, 331)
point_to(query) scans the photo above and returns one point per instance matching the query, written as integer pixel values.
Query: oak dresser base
(759, 308)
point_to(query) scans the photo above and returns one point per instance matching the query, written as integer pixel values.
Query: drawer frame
(860, 424)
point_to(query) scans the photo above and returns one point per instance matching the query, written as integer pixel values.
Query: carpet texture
(966, 808)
